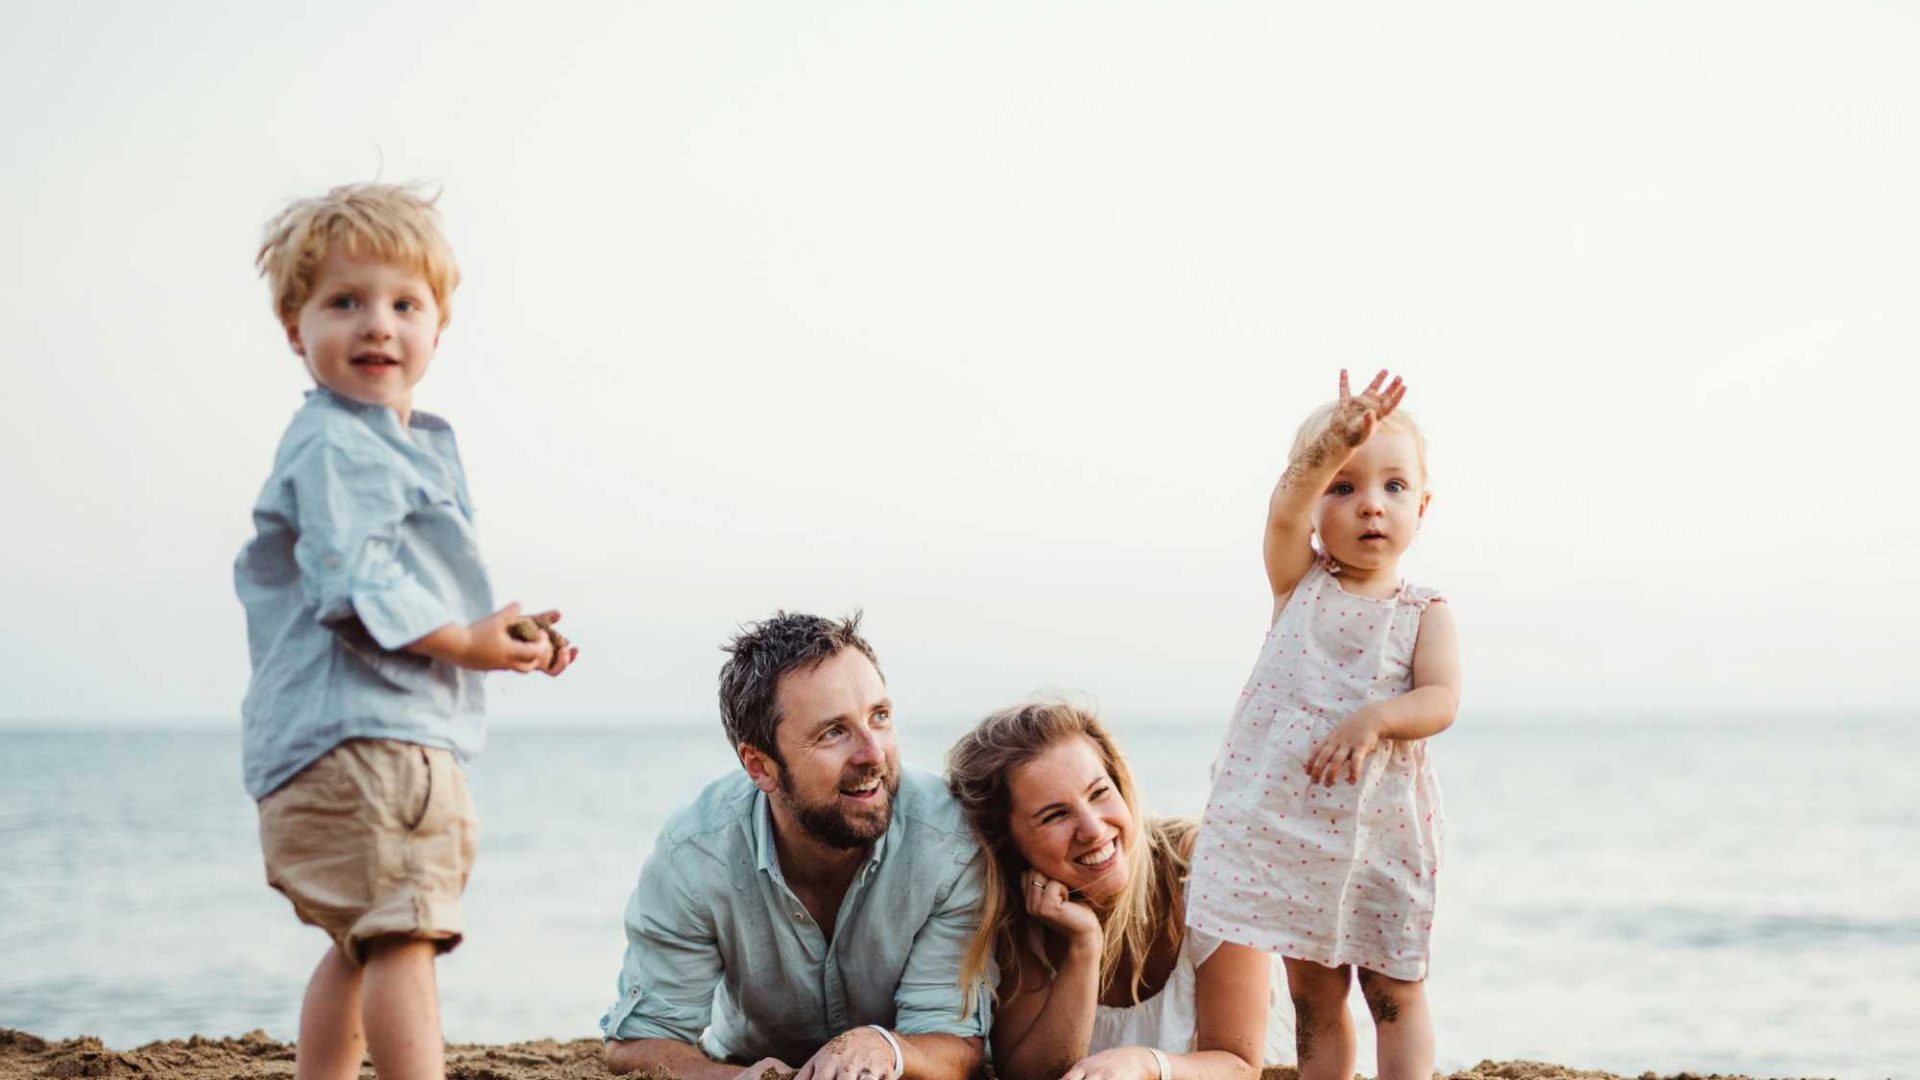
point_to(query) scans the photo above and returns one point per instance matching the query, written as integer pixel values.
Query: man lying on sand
(812, 908)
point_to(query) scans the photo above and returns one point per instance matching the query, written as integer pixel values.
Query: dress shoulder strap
(1421, 595)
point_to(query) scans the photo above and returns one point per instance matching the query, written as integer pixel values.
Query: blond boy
(370, 622)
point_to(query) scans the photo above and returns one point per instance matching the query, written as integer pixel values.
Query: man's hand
(860, 1054)
(759, 1068)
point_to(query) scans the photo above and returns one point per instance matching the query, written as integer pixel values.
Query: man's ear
(760, 766)
(293, 340)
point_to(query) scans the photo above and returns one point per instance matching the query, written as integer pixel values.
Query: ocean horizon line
(1141, 720)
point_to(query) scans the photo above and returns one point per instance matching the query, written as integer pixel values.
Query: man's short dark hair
(765, 651)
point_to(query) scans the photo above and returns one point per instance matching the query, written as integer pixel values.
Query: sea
(1672, 894)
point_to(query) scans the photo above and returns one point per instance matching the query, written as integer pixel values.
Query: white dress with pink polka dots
(1339, 875)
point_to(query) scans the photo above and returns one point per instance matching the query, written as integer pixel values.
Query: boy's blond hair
(388, 222)
(1397, 420)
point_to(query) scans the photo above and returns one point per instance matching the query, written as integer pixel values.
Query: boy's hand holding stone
(486, 645)
(537, 628)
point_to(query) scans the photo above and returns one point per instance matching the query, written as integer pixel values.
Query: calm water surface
(1627, 896)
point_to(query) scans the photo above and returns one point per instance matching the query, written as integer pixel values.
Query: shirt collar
(766, 854)
(417, 419)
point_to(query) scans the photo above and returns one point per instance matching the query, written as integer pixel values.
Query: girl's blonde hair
(388, 222)
(1397, 420)
(978, 768)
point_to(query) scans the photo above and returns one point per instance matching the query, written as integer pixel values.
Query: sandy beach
(254, 1055)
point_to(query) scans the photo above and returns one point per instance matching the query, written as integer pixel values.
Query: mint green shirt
(721, 953)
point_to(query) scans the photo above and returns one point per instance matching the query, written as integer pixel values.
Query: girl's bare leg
(1322, 1031)
(1402, 1025)
(401, 1003)
(331, 1038)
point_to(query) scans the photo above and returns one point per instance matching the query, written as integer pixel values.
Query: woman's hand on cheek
(1119, 1063)
(1048, 901)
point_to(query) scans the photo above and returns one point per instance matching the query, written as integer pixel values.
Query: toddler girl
(1322, 835)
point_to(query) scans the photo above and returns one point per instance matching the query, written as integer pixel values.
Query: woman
(1099, 977)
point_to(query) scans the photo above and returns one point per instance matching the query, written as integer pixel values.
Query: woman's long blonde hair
(978, 768)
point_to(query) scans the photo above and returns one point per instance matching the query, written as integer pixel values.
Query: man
(811, 910)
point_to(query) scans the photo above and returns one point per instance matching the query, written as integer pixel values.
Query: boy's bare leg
(1402, 1026)
(331, 1038)
(400, 1003)
(1322, 1029)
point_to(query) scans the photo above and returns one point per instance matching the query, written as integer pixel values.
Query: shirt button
(800, 915)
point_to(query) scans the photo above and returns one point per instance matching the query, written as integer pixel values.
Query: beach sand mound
(254, 1055)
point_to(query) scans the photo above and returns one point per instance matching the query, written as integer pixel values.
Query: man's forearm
(683, 1060)
(940, 1057)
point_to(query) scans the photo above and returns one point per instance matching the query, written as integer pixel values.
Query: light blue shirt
(721, 952)
(363, 543)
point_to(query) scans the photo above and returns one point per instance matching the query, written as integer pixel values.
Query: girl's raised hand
(1354, 418)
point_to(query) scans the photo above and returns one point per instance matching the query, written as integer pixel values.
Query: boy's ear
(1425, 498)
(760, 768)
(293, 340)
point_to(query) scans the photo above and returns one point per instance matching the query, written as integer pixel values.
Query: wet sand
(24, 1056)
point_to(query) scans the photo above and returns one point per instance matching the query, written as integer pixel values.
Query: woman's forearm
(1062, 1032)
(1212, 1065)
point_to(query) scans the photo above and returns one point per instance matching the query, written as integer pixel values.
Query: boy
(369, 627)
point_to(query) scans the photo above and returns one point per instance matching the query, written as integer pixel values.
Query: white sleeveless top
(1166, 1020)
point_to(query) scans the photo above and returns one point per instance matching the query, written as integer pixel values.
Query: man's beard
(829, 823)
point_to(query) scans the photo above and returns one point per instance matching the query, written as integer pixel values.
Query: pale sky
(996, 319)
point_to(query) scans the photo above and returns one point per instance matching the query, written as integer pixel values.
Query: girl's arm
(1289, 545)
(1427, 709)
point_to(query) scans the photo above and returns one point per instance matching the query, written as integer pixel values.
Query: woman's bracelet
(900, 1060)
(1160, 1059)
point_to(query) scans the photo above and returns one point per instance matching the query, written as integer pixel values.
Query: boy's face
(367, 330)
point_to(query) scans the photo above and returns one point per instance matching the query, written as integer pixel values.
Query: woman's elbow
(1241, 1068)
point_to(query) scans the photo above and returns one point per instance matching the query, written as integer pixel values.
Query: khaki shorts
(375, 839)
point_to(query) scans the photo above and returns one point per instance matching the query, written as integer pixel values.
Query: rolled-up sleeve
(350, 511)
(930, 999)
(672, 963)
